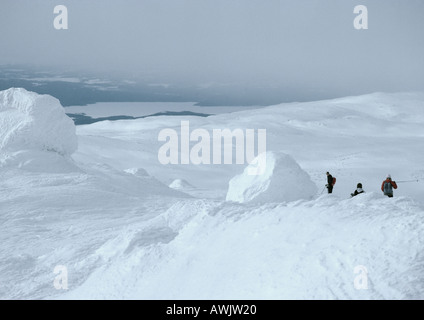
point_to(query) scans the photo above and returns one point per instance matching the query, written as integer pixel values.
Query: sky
(294, 44)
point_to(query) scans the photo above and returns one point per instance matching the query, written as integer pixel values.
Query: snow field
(126, 227)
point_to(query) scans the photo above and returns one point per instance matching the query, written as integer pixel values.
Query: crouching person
(358, 190)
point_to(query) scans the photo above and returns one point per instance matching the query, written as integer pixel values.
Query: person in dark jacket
(388, 185)
(329, 184)
(358, 190)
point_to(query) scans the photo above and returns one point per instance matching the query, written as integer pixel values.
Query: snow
(126, 227)
(224, 252)
(271, 177)
(180, 184)
(36, 122)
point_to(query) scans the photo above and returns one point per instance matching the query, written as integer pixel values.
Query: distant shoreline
(82, 119)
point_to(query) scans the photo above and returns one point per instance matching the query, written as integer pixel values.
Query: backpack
(388, 189)
(334, 181)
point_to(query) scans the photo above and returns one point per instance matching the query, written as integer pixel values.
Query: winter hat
(389, 176)
(359, 185)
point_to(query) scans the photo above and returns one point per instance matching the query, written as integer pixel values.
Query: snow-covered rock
(29, 121)
(271, 177)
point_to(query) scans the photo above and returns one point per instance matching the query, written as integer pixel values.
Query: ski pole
(405, 181)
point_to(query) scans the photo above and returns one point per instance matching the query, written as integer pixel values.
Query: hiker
(388, 185)
(330, 182)
(358, 190)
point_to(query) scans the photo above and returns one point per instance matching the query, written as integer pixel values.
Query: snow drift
(30, 121)
(271, 177)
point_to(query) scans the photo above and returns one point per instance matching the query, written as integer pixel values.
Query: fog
(293, 44)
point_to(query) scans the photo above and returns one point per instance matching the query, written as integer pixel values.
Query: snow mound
(271, 177)
(138, 172)
(180, 184)
(30, 121)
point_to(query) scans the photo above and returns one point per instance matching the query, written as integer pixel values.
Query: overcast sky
(298, 43)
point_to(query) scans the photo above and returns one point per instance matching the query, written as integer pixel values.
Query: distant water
(83, 93)
(80, 119)
(80, 90)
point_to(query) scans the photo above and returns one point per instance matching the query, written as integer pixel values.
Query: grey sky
(298, 43)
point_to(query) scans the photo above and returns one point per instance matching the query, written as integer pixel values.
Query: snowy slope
(304, 250)
(106, 212)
